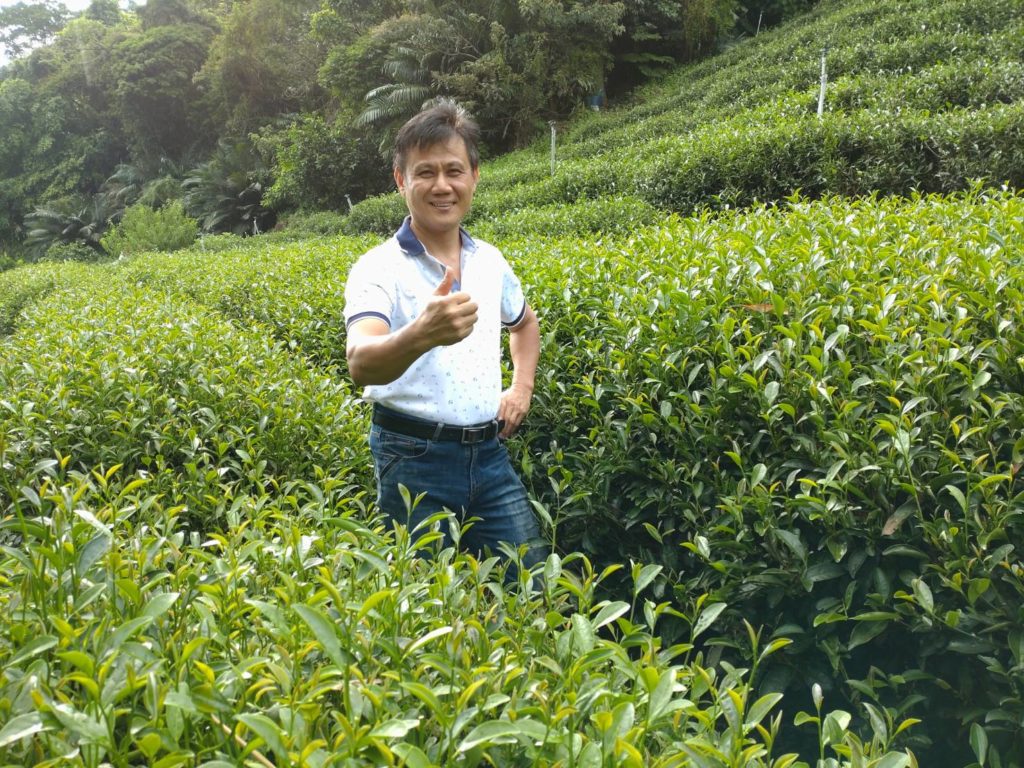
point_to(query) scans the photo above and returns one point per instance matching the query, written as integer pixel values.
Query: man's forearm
(380, 359)
(524, 349)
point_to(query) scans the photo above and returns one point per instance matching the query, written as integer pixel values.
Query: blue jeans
(472, 481)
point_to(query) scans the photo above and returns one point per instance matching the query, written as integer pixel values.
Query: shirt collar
(411, 244)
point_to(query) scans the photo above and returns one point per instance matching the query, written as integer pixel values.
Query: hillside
(923, 95)
(776, 447)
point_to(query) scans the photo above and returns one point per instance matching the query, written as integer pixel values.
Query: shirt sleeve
(366, 294)
(513, 302)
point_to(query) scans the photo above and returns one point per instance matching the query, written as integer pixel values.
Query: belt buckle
(473, 435)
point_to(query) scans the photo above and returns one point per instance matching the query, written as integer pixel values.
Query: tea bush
(380, 215)
(294, 290)
(813, 414)
(608, 216)
(305, 634)
(190, 572)
(74, 251)
(808, 417)
(21, 286)
(150, 382)
(313, 224)
(777, 452)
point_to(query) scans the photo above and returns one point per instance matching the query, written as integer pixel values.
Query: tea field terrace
(804, 419)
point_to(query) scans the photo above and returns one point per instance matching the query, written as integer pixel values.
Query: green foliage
(21, 288)
(909, 108)
(814, 415)
(660, 32)
(144, 229)
(73, 251)
(803, 418)
(357, 645)
(320, 164)
(226, 192)
(23, 25)
(195, 517)
(157, 98)
(7, 261)
(73, 221)
(409, 86)
(131, 184)
(302, 225)
(765, 13)
(262, 64)
(59, 136)
(197, 406)
(381, 215)
(608, 216)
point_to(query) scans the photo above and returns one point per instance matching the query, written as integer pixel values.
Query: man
(424, 313)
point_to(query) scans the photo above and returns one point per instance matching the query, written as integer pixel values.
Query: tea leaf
(979, 743)
(707, 618)
(609, 612)
(159, 605)
(395, 729)
(324, 632)
(269, 731)
(21, 727)
(32, 649)
(502, 732)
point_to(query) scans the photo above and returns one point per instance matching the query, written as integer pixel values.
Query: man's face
(437, 183)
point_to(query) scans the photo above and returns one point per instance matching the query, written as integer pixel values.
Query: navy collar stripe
(411, 244)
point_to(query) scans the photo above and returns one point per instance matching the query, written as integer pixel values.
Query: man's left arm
(524, 347)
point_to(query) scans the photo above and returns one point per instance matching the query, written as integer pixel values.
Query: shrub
(339, 623)
(321, 164)
(20, 288)
(382, 215)
(75, 251)
(316, 223)
(814, 415)
(144, 229)
(226, 192)
(7, 261)
(607, 216)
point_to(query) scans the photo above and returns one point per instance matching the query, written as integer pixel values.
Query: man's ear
(399, 180)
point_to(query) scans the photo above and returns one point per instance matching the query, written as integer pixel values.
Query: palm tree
(82, 221)
(409, 91)
(226, 192)
(129, 184)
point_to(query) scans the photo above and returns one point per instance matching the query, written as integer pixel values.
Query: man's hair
(437, 125)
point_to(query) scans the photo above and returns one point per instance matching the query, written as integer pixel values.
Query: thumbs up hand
(445, 286)
(449, 317)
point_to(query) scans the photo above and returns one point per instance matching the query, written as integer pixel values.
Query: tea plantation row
(804, 420)
(923, 95)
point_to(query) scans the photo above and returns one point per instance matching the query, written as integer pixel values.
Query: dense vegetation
(183, 429)
(248, 111)
(777, 449)
(923, 95)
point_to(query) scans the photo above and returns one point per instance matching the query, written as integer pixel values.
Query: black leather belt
(426, 430)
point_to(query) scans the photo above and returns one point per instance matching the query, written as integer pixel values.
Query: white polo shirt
(458, 384)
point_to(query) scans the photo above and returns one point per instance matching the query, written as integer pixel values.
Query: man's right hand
(449, 317)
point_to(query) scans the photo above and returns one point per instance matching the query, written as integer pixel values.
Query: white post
(553, 134)
(759, 17)
(349, 199)
(824, 82)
